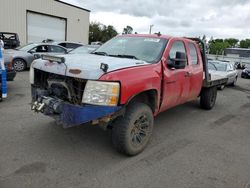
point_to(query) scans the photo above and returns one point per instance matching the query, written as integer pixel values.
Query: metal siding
(13, 14)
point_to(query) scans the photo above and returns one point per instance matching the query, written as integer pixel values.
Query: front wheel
(19, 65)
(131, 133)
(208, 98)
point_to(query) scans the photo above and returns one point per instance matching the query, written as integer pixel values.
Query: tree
(127, 30)
(101, 32)
(232, 42)
(95, 33)
(218, 46)
(245, 43)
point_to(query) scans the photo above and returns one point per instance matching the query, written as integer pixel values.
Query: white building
(36, 20)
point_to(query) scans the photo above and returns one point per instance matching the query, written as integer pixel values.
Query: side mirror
(179, 62)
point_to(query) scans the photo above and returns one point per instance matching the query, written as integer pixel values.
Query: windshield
(143, 48)
(26, 47)
(217, 66)
(82, 50)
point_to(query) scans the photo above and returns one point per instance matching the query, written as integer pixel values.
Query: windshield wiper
(100, 53)
(125, 56)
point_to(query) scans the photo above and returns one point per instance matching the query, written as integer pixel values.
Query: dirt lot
(190, 147)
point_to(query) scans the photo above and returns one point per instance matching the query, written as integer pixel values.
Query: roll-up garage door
(41, 27)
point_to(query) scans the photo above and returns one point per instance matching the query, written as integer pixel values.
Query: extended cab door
(195, 70)
(176, 82)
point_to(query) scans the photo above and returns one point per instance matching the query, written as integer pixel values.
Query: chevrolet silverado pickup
(123, 85)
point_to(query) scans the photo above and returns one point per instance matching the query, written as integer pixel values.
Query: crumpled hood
(88, 64)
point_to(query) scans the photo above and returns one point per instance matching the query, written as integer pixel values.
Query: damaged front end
(72, 101)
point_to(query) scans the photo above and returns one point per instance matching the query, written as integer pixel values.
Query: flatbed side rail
(217, 82)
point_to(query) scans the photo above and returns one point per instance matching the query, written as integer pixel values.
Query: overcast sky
(217, 18)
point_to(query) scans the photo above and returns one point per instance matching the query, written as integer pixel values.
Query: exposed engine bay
(64, 88)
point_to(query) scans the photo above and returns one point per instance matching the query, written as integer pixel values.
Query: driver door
(176, 82)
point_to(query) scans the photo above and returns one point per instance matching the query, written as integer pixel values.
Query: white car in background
(224, 69)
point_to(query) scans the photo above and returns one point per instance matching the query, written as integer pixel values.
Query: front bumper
(76, 115)
(70, 115)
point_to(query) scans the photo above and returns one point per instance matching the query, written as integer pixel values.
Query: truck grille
(63, 87)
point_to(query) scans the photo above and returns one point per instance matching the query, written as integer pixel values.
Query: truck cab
(123, 85)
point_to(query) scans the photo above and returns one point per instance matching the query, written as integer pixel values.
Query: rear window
(219, 66)
(8, 36)
(193, 54)
(57, 49)
(70, 45)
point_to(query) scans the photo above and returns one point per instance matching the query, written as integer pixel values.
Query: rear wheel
(19, 65)
(208, 98)
(131, 133)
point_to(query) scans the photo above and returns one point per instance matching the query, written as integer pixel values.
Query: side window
(57, 49)
(178, 46)
(42, 49)
(193, 54)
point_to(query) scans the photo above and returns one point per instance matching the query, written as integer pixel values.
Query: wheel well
(148, 97)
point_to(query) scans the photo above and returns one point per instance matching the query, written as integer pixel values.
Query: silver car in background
(224, 69)
(22, 57)
(86, 49)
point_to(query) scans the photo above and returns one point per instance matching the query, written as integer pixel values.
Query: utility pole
(150, 29)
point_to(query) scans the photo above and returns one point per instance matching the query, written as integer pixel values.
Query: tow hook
(37, 107)
(47, 105)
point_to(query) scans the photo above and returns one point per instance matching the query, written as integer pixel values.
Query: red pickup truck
(123, 85)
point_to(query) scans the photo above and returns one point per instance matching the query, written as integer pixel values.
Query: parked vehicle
(10, 71)
(246, 72)
(87, 49)
(239, 65)
(11, 40)
(223, 69)
(48, 41)
(68, 45)
(97, 43)
(123, 85)
(23, 56)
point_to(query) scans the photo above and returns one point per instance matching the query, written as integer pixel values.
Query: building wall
(13, 14)
(240, 52)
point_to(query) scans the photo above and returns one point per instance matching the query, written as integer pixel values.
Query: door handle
(188, 74)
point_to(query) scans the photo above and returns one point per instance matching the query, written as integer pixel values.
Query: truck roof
(156, 36)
